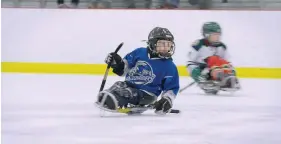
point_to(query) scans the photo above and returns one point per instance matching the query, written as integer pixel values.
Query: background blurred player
(208, 61)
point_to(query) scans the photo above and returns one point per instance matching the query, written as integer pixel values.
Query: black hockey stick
(108, 67)
(175, 111)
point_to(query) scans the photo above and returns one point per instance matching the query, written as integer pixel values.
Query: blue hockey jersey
(152, 75)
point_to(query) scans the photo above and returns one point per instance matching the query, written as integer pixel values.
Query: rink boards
(99, 69)
(77, 41)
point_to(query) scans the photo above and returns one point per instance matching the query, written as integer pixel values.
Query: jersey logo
(142, 73)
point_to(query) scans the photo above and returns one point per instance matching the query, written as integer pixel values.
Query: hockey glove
(164, 105)
(116, 63)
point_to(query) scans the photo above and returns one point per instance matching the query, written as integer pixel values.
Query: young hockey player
(148, 73)
(208, 62)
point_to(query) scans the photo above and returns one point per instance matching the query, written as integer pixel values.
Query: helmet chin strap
(157, 54)
(164, 56)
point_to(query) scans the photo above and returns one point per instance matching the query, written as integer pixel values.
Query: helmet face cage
(152, 45)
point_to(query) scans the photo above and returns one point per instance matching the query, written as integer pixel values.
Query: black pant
(126, 95)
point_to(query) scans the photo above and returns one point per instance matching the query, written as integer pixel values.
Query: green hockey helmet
(210, 27)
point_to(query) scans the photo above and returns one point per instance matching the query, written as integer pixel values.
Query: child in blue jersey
(148, 72)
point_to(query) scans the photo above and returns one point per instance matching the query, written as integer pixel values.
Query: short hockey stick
(176, 111)
(149, 107)
(134, 109)
(108, 67)
(187, 86)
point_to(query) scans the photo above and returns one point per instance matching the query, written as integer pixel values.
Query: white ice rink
(59, 109)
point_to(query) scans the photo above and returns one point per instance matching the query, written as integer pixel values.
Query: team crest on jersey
(142, 73)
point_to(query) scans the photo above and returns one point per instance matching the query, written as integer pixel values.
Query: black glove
(163, 105)
(116, 63)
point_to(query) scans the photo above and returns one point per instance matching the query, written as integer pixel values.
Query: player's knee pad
(215, 61)
(228, 69)
(107, 100)
(118, 95)
(217, 74)
(231, 82)
(146, 99)
(120, 88)
(220, 73)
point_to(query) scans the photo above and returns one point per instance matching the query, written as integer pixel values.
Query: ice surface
(59, 109)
